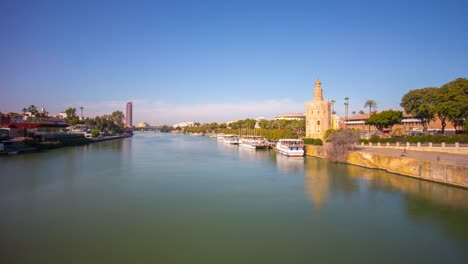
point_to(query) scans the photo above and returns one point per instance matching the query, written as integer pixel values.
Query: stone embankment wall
(433, 171)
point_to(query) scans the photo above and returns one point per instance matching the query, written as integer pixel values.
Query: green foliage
(462, 138)
(271, 129)
(72, 118)
(451, 102)
(328, 132)
(313, 141)
(33, 110)
(372, 104)
(118, 118)
(419, 103)
(166, 129)
(448, 103)
(94, 133)
(385, 119)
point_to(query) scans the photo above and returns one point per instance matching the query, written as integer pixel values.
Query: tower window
(318, 123)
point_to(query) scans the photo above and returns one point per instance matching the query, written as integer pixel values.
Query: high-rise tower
(318, 114)
(129, 115)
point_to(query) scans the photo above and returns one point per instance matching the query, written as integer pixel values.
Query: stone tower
(318, 114)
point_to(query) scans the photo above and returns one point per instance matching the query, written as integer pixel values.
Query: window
(318, 123)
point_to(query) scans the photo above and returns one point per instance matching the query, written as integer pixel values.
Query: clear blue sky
(214, 60)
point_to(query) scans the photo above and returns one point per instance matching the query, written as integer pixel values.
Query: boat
(291, 147)
(231, 139)
(253, 142)
(220, 136)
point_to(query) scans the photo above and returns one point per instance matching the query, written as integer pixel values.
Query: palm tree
(346, 111)
(372, 104)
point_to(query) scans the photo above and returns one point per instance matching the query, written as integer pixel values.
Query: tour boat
(291, 147)
(220, 136)
(231, 139)
(253, 142)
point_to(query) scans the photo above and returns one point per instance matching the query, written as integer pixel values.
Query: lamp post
(346, 112)
(81, 108)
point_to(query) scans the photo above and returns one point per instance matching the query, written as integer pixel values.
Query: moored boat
(220, 136)
(231, 139)
(291, 147)
(253, 142)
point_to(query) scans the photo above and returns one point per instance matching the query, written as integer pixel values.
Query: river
(163, 198)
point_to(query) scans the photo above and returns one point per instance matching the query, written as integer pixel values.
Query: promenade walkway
(436, 157)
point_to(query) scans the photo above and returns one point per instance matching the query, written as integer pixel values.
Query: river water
(162, 198)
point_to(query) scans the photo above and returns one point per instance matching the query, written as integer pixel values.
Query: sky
(216, 61)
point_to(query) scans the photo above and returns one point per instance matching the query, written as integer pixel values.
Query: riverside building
(318, 114)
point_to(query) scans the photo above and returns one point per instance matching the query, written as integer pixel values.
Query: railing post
(407, 144)
(457, 144)
(378, 144)
(370, 144)
(419, 144)
(362, 144)
(430, 144)
(443, 144)
(388, 144)
(398, 144)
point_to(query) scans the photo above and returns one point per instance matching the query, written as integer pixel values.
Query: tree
(24, 110)
(418, 102)
(118, 118)
(385, 119)
(33, 110)
(372, 104)
(71, 118)
(361, 112)
(452, 102)
(340, 143)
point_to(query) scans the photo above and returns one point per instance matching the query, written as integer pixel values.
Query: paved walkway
(446, 158)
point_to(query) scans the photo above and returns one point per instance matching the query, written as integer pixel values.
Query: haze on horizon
(218, 61)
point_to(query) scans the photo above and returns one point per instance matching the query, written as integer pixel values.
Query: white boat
(291, 147)
(253, 142)
(231, 139)
(220, 136)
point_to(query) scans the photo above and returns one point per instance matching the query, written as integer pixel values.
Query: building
(129, 115)
(184, 124)
(409, 123)
(143, 125)
(318, 114)
(291, 116)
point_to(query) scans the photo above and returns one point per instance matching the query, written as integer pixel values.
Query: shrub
(341, 142)
(313, 141)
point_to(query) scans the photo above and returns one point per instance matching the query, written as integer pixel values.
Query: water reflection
(317, 182)
(424, 201)
(289, 164)
(425, 190)
(247, 154)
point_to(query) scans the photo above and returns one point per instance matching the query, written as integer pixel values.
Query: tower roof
(318, 93)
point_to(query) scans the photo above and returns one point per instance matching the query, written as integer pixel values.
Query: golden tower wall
(318, 114)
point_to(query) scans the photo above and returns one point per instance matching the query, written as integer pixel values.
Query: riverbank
(27, 147)
(445, 168)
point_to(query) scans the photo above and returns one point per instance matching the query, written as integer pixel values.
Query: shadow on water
(424, 202)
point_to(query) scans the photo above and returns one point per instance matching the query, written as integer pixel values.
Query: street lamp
(81, 108)
(346, 111)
